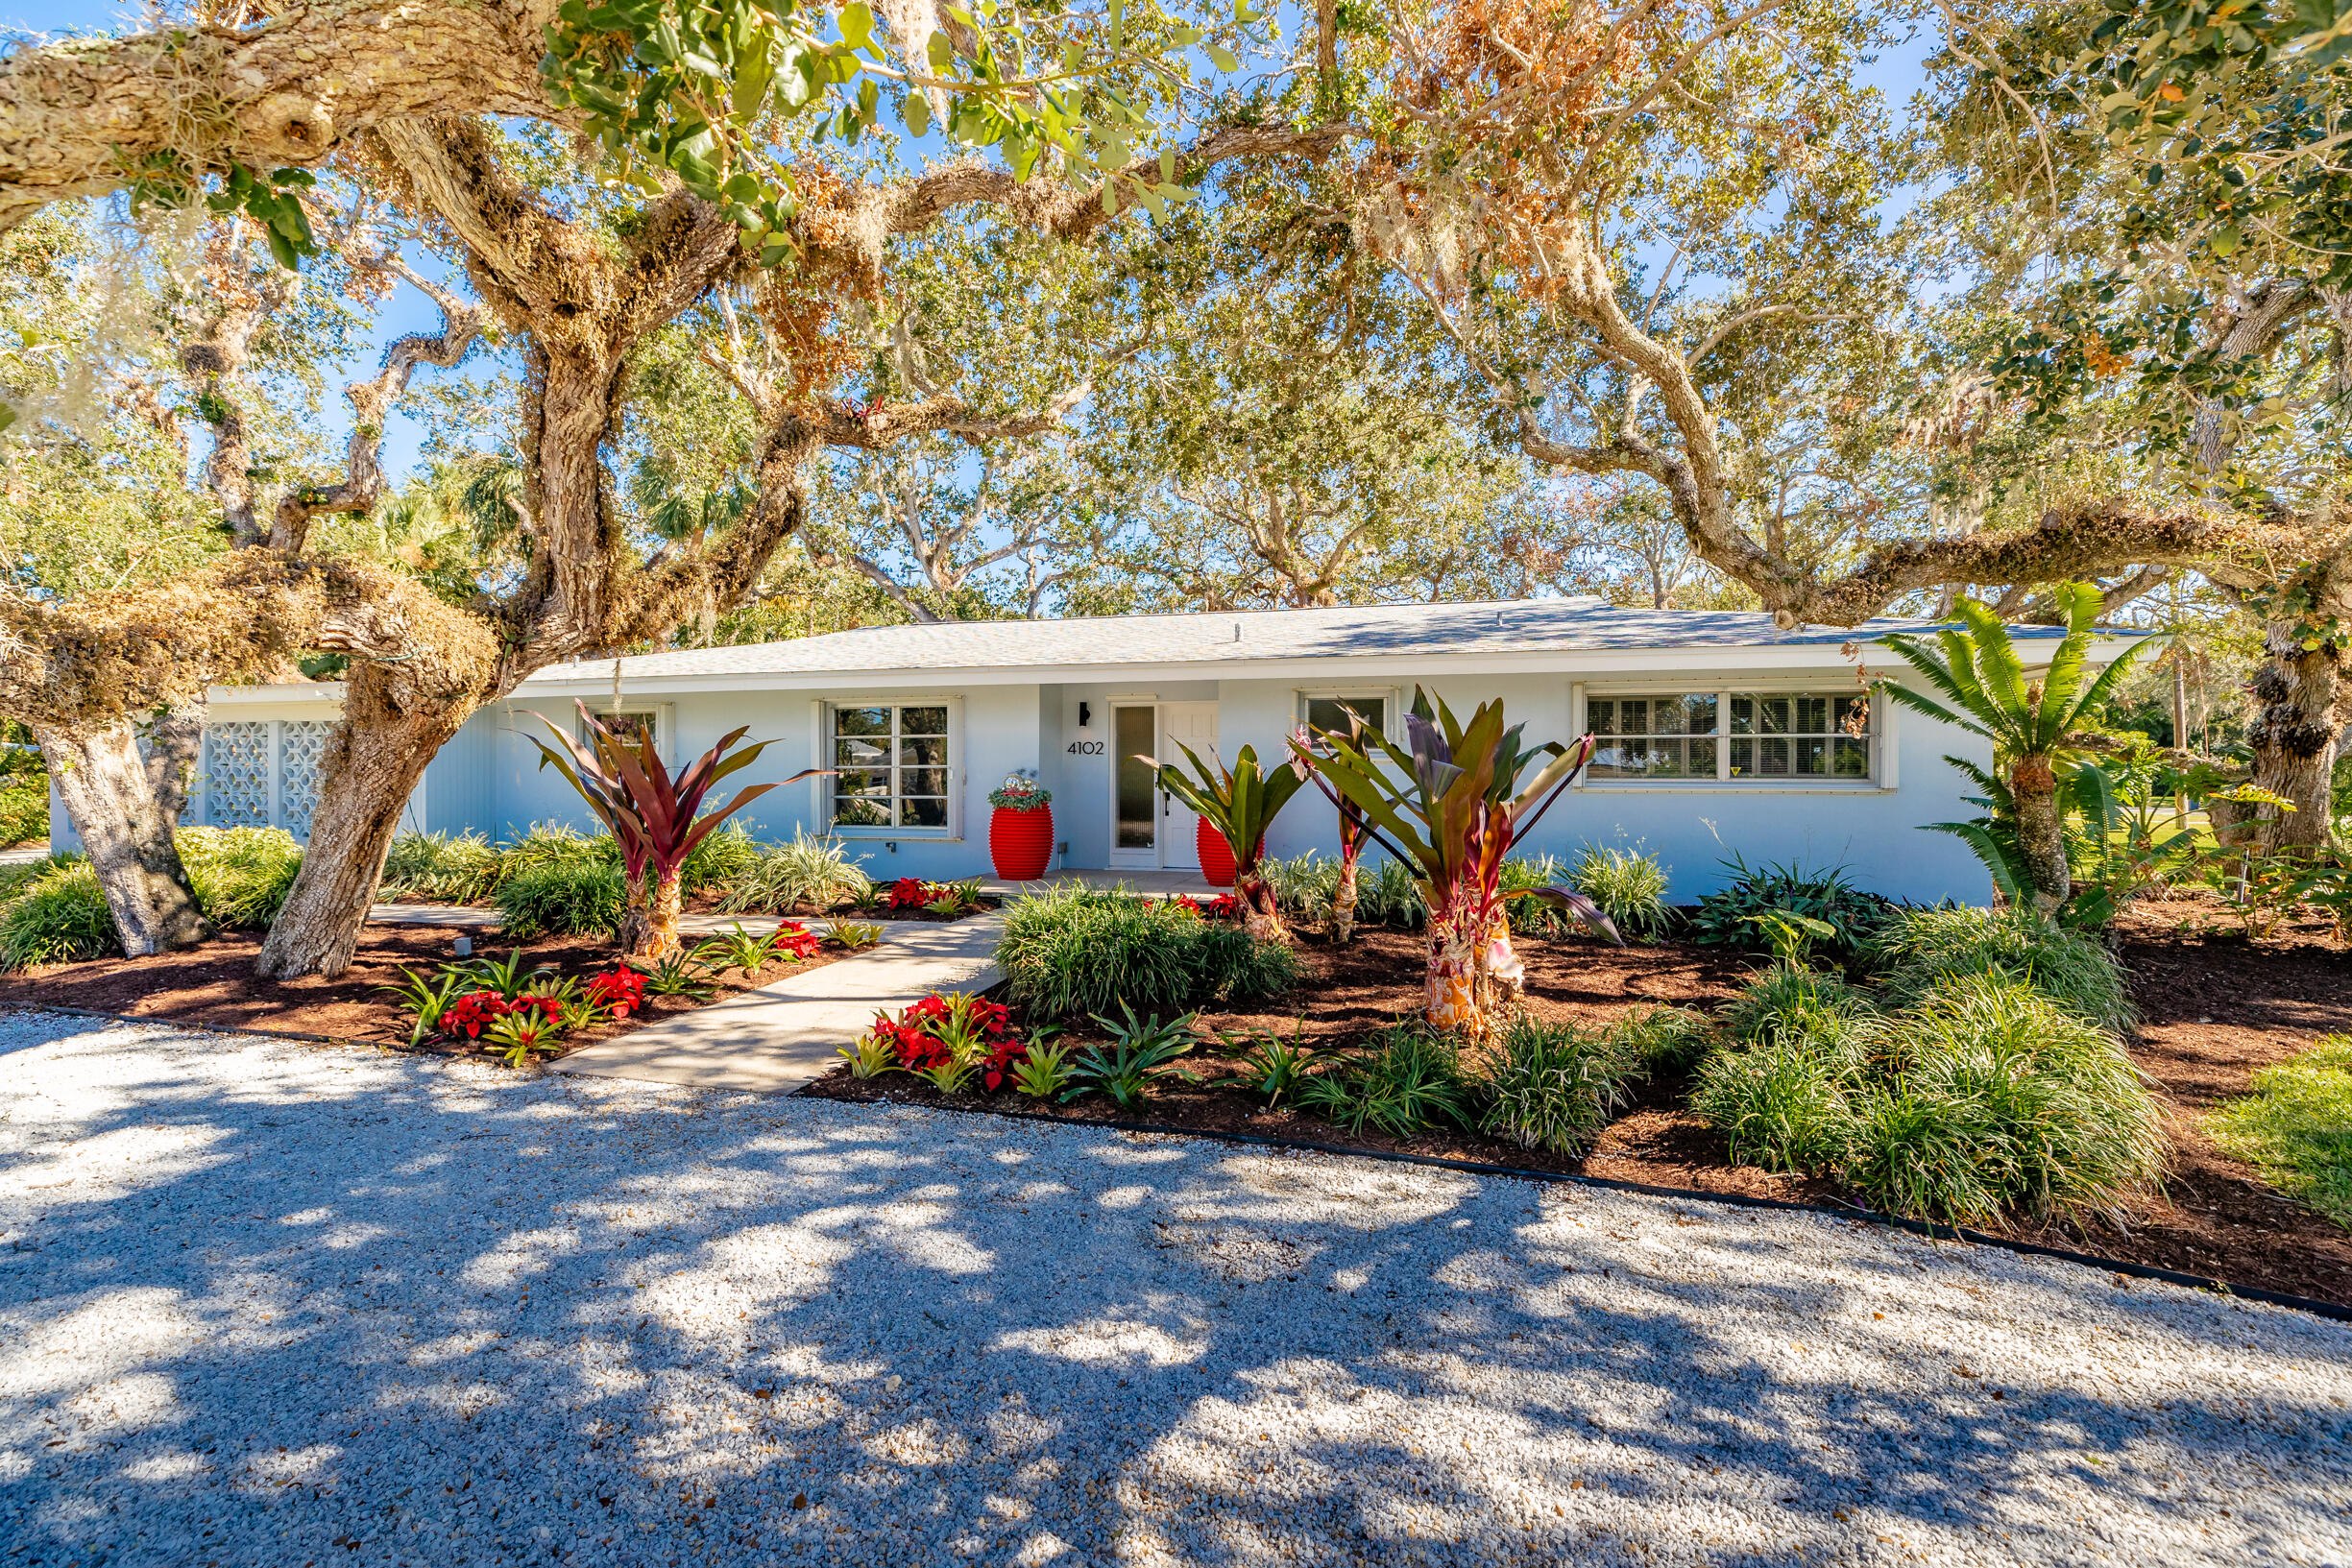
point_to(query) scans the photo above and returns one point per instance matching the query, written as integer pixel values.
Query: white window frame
(823, 822)
(664, 715)
(1881, 779)
(1390, 698)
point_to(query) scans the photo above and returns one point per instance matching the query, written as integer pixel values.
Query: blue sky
(1897, 73)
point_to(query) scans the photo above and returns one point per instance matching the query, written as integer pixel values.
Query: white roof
(1583, 632)
(1491, 627)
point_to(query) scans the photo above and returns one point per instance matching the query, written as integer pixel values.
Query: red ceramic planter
(1021, 843)
(1215, 854)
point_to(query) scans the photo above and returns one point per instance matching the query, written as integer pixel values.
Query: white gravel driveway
(270, 1304)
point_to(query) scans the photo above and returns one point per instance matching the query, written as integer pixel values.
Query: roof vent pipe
(1237, 631)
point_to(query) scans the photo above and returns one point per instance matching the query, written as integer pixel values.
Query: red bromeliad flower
(1001, 1062)
(1224, 907)
(795, 938)
(471, 1014)
(620, 991)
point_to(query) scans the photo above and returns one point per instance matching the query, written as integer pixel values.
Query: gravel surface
(263, 1303)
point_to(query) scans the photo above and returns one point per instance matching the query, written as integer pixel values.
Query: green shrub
(577, 897)
(1725, 917)
(2052, 1115)
(814, 873)
(1919, 951)
(1553, 1086)
(241, 876)
(1787, 998)
(436, 868)
(1629, 885)
(1386, 894)
(1079, 950)
(58, 916)
(1785, 1105)
(553, 844)
(723, 858)
(1663, 1039)
(2297, 1127)
(16, 878)
(24, 810)
(1408, 1080)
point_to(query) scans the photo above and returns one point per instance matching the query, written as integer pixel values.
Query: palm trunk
(365, 779)
(1457, 999)
(1343, 903)
(2041, 832)
(1261, 912)
(657, 937)
(2305, 698)
(124, 809)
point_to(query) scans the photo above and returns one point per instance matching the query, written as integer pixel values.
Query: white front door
(1191, 724)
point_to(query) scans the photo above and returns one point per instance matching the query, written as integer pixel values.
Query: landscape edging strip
(1934, 1232)
(1478, 1167)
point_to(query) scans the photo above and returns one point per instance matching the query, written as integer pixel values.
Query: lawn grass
(2297, 1127)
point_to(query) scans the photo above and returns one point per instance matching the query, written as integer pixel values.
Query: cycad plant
(651, 814)
(1239, 802)
(2028, 722)
(1451, 808)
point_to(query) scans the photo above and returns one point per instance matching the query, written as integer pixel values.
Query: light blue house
(1719, 732)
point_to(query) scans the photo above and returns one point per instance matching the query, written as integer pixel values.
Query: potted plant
(1021, 827)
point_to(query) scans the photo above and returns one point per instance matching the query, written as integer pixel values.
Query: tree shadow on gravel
(266, 1304)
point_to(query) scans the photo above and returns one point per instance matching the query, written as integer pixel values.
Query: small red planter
(1215, 854)
(1021, 843)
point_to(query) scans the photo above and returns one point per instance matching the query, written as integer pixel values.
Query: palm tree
(2030, 724)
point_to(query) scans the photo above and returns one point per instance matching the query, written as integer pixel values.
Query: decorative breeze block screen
(238, 774)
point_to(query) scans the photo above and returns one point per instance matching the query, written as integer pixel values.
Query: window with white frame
(1326, 712)
(1731, 736)
(630, 724)
(892, 765)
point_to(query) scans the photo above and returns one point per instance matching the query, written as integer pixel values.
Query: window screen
(1654, 737)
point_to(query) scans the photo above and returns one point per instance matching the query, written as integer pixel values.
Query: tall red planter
(1021, 843)
(1215, 854)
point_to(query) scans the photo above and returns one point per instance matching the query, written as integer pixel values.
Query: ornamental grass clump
(1629, 885)
(437, 868)
(804, 873)
(1554, 1086)
(1790, 998)
(555, 843)
(1919, 951)
(240, 876)
(1408, 1079)
(1785, 1104)
(1077, 950)
(57, 916)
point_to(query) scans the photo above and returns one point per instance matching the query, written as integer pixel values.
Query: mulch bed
(214, 984)
(2214, 1009)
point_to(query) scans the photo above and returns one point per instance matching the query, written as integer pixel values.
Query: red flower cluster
(1224, 907)
(915, 1036)
(795, 938)
(473, 1013)
(476, 1010)
(912, 893)
(620, 991)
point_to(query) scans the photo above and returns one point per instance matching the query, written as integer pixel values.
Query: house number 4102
(1085, 748)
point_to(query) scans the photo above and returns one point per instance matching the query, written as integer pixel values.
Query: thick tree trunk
(2304, 698)
(369, 772)
(1458, 993)
(2041, 832)
(119, 811)
(649, 925)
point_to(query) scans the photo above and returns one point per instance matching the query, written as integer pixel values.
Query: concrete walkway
(784, 1034)
(24, 857)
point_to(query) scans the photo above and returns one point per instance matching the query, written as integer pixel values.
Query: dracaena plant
(1353, 831)
(651, 812)
(1239, 802)
(1450, 808)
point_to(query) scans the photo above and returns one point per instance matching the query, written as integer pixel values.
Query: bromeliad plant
(1353, 831)
(1239, 803)
(1451, 808)
(651, 814)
